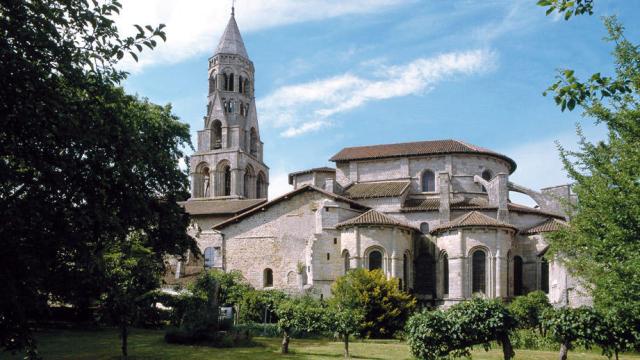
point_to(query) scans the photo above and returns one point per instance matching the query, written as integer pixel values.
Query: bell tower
(228, 163)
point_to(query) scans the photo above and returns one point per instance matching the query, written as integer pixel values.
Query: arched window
(226, 81)
(246, 87)
(517, 276)
(424, 228)
(216, 134)
(240, 83)
(479, 272)
(267, 277)
(231, 82)
(346, 261)
(428, 181)
(248, 179)
(253, 142)
(226, 174)
(544, 275)
(445, 274)
(260, 186)
(405, 271)
(209, 257)
(375, 260)
(212, 83)
(486, 175)
(202, 181)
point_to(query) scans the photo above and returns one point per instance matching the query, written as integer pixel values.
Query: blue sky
(331, 74)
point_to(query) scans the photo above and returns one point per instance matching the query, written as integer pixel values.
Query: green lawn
(149, 344)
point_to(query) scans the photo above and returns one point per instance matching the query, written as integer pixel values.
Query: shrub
(386, 307)
(303, 313)
(528, 309)
(439, 333)
(260, 306)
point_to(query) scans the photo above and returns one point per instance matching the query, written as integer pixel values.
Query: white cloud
(194, 26)
(309, 106)
(278, 184)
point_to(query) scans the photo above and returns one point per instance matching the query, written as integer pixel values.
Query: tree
(568, 8)
(131, 272)
(83, 164)
(528, 309)
(260, 305)
(568, 326)
(345, 314)
(385, 306)
(302, 314)
(601, 244)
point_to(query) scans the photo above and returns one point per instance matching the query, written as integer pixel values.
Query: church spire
(231, 40)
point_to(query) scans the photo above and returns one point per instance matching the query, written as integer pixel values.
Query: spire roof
(231, 40)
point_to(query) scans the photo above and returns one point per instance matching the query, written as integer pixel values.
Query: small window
(479, 269)
(328, 256)
(428, 181)
(445, 274)
(424, 228)
(267, 277)
(375, 260)
(346, 262)
(209, 257)
(544, 275)
(335, 241)
(517, 276)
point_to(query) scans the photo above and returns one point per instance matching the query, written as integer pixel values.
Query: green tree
(131, 271)
(260, 306)
(385, 306)
(528, 309)
(233, 286)
(302, 314)
(569, 326)
(568, 8)
(82, 164)
(345, 315)
(601, 245)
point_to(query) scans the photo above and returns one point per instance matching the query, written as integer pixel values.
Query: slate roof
(284, 197)
(376, 189)
(373, 217)
(472, 219)
(547, 226)
(415, 149)
(323, 169)
(219, 206)
(231, 40)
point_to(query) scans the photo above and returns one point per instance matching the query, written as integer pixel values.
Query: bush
(528, 309)
(303, 313)
(440, 333)
(256, 305)
(386, 308)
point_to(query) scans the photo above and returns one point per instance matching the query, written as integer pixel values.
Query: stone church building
(433, 214)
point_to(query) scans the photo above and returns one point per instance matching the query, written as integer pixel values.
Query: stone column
(237, 177)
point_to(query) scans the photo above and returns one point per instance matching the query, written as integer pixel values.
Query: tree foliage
(568, 8)
(83, 165)
(385, 306)
(527, 310)
(345, 316)
(601, 245)
(451, 333)
(260, 305)
(233, 287)
(301, 313)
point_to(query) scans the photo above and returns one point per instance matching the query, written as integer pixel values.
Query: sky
(337, 73)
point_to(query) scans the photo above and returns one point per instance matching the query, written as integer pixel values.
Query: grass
(149, 344)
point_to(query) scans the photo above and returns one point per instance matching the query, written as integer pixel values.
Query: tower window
(227, 180)
(240, 83)
(428, 181)
(231, 82)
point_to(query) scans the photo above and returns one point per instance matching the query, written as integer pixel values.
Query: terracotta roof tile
(434, 204)
(219, 206)
(373, 217)
(472, 219)
(415, 149)
(547, 226)
(376, 189)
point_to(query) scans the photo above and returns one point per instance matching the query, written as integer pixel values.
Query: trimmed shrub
(528, 309)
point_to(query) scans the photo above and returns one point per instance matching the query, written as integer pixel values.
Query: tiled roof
(287, 196)
(231, 40)
(376, 189)
(472, 219)
(526, 209)
(415, 149)
(434, 204)
(323, 169)
(547, 226)
(219, 206)
(373, 217)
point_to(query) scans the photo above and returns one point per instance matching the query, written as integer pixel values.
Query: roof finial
(233, 7)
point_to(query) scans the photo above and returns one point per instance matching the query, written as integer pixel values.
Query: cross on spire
(233, 7)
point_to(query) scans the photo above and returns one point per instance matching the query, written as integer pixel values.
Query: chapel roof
(472, 219)
(546, 226)
(373, 217)
(219, 206)
(323, 169)
(287, 196)
(416, 149)
(231, 40)
(376, 189)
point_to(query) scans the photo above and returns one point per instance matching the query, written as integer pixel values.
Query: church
(434, 214)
